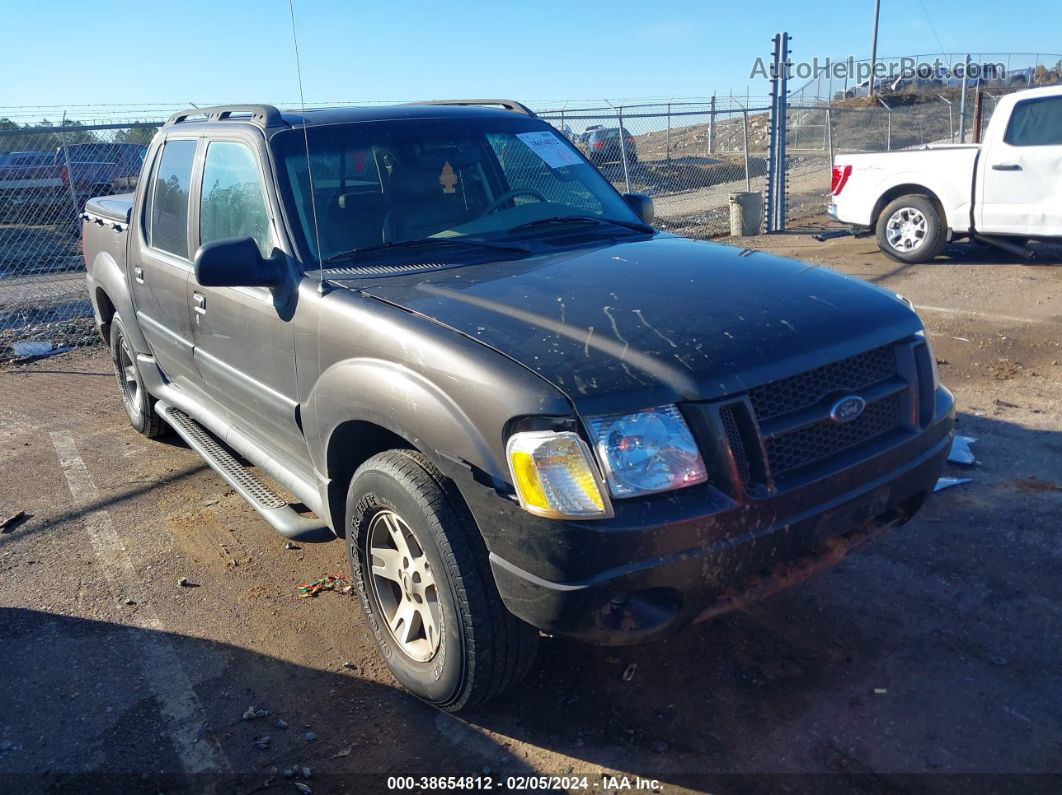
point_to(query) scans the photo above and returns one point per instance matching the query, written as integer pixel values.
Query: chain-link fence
(46, 175)
(689, 156)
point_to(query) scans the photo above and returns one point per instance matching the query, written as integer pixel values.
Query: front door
(244, 339)
(1021, 175)
(160, 261)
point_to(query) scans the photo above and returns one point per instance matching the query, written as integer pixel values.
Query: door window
(1036, 122)
(168, 229)
(232, 203)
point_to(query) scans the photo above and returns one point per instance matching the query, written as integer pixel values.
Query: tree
(135, 135)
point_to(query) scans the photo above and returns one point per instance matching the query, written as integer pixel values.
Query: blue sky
(66, 53)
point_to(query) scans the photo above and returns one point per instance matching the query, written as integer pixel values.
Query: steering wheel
(512, 194)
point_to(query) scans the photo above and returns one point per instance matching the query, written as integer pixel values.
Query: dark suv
(519, 405)
(604, 145)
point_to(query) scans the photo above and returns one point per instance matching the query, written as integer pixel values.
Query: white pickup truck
(1004, 191)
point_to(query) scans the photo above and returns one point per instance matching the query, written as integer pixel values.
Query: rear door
(1021, 175)
(160, 260)
(244, 337)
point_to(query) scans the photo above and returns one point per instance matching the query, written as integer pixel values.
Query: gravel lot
(932, 653)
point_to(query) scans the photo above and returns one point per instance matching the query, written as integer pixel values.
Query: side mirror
(642, 204)
(235, 262)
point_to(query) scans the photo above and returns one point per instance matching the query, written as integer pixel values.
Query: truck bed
(946, 170)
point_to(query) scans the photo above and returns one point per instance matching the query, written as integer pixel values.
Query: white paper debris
(947, 483)
(32, 348)
(961, 452)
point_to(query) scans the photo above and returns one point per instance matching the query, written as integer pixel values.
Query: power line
(933, 28)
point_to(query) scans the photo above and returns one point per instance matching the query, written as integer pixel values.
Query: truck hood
(656, 321)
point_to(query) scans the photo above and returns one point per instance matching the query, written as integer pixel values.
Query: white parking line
(986, 315)
(181, 710)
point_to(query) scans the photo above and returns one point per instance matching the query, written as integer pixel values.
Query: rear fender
(952, 199)
(107, 277)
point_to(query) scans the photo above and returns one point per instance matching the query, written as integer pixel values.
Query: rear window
(168, 229)
(1036, 122)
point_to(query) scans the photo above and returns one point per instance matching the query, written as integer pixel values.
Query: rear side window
(232, 203)
(168, 229)
(1036, 122)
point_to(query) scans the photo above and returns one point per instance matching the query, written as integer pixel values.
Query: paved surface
(933, 651)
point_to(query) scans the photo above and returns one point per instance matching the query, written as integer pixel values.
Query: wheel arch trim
(390, 401)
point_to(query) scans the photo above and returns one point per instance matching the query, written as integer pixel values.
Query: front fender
(401, 401)
(361, 360)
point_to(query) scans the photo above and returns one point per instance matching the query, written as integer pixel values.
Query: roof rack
(507, 104)
(263, 115)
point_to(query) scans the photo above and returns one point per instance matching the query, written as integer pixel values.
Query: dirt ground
(921, 663)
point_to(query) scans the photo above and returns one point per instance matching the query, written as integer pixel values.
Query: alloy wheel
(125, 369)
(404, 584)
(906, 229)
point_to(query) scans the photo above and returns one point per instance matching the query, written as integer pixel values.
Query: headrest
(410, 184)
(457, 158)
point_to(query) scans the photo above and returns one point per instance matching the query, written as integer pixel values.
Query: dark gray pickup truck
(446, 339)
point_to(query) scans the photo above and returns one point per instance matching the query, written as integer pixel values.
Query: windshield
(395, 181)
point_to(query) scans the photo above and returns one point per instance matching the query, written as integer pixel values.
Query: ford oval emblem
(847, 408)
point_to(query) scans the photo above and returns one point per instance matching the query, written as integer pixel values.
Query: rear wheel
(425, 585)
(911, 230)
(139, 405)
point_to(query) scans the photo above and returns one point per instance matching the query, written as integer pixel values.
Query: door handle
(138, 275)
(200, 303)
(1006, 167)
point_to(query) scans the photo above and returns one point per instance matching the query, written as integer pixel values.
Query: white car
(1006, 190)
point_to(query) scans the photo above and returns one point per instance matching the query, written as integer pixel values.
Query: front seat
(419, 205)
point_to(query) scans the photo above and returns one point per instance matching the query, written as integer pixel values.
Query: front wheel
(425, 585)
(910, 229)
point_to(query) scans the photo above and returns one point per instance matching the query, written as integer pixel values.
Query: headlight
(555, 476)
(649, 451)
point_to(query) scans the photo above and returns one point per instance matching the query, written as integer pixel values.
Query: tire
(910, 229)
(480, 649)
(139, 405)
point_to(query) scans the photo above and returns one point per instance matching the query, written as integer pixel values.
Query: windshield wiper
(425, 242)
(584, 219)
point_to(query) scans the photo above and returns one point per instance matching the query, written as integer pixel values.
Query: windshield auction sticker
(550, 148)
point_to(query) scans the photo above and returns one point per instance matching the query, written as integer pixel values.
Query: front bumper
(663, 564)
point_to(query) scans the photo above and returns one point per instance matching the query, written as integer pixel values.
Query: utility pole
(962, 99)
(874, 48)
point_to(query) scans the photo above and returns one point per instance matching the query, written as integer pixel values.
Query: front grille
(737, 444)
(812, 443)
(806, 389)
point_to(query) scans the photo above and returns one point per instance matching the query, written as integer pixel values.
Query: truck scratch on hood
(653, 329)
(677, 380)
(823, 301)
(626, 345)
